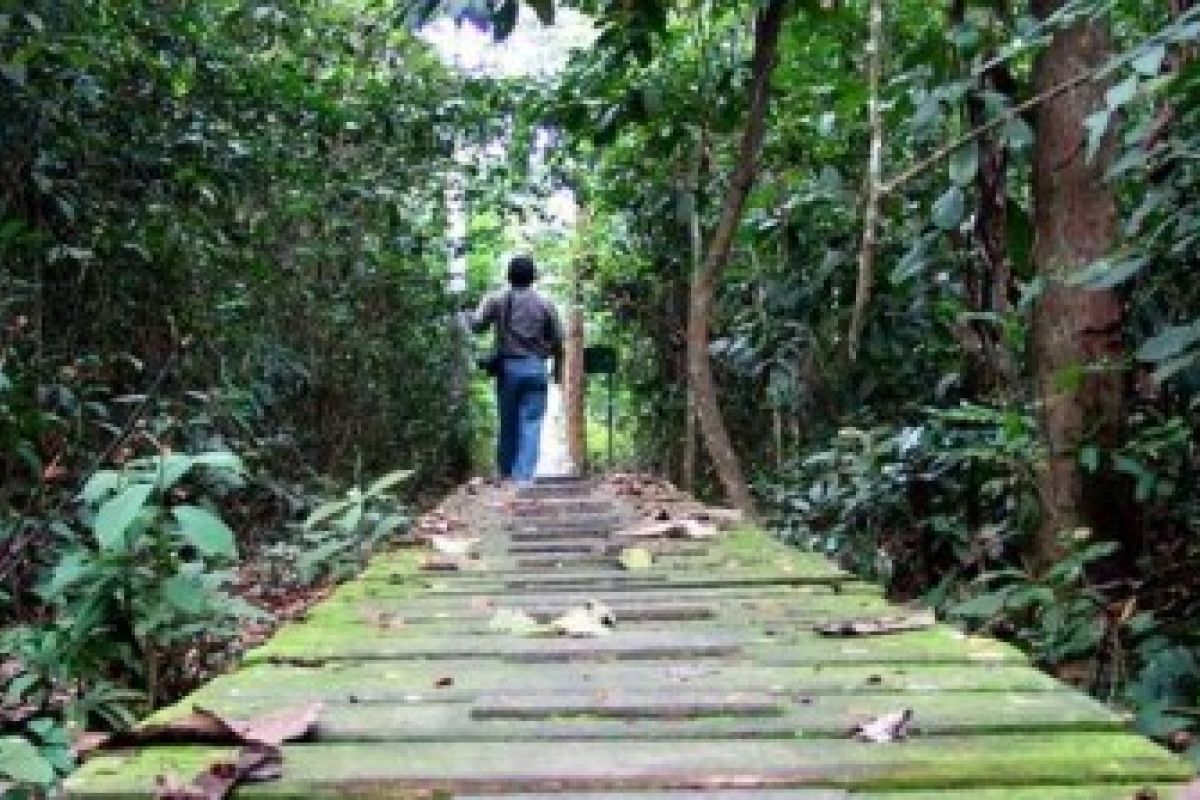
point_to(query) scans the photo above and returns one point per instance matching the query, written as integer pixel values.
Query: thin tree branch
(945, 152)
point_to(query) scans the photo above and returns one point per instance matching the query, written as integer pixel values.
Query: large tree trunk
(708, 411)
(1075, 331)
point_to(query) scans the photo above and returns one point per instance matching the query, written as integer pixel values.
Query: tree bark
(574, 384)
(870, 237)
(1076, 336)
(725, 459)
(696, 251)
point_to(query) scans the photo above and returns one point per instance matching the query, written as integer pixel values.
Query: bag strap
(505, 313)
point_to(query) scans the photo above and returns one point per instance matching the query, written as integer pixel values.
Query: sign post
(602, 360)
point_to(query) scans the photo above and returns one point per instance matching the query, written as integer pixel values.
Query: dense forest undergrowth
(914, 281)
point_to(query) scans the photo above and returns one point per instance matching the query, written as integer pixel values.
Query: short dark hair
(521, 272)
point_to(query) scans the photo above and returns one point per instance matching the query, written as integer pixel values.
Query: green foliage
(340, 534)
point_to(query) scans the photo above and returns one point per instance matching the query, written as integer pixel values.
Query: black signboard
(599, 360)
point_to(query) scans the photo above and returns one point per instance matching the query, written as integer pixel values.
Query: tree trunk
(1076, 332)
(708, 411)
(574, 379)
(870, 237)
(574, 385)
(696, 249)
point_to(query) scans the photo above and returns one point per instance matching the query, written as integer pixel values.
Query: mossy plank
(474, 574)
(1104, 792)
(463, 681)
(732, 794)
(800, 608)
(390, 769)
(428, 586)
(680, 715)
(1120, 791)
(362, 640)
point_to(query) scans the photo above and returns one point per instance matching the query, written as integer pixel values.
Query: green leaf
(949, 210)
(1173, 366)
(385, 482)
(544, 10)
(1169, 343)
(1106, 274)
(221, 460)
(327, 510)
(388, 524)
(101, 484)
(964, 164)
(984, 606)
(1017, 134)
(116, 515)
(207, 532)
(348, 522)
(69, 569)
(1097, 127)
(185, 593)
(1150, 62)
(13, 71)
(21, 762)
(1121, 94)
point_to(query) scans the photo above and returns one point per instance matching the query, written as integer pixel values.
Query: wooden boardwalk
(713, 684)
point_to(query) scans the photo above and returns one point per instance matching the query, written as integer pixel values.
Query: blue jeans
(521, 395)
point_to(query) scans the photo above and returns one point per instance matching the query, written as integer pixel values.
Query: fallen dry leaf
(255, 763)
(515, 621)
(887, 728)
(207, 726)
(589, 620)
(453, 546)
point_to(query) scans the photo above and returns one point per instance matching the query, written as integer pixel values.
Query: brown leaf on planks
(210, 727)
(255, 763)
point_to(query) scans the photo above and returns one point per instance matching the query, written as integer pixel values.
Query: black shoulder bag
(491, 363)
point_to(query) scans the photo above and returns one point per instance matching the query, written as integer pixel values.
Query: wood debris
(878, 626)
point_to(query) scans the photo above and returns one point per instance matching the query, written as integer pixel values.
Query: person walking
(527, 333)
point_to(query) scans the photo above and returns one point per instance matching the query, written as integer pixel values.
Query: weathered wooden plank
(682, 715)
(1121, 791)
(433, 588)
(308, 641)
(463, 681)
(556, 491)
(733, 794)
(390, 769)
(353, 643)
(1043, 792)
(563, 509)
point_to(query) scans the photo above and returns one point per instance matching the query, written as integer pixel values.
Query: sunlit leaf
(115, 516)
(1169, 343)
(207, 532)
